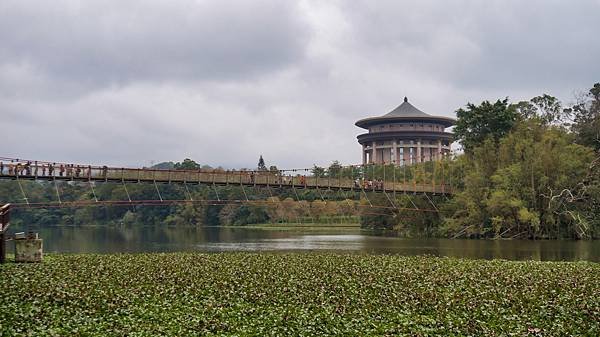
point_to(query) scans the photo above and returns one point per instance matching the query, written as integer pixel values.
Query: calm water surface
(104, 239)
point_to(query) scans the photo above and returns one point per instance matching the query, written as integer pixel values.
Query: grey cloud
(491, 44)
(124, 83)
(106, 42)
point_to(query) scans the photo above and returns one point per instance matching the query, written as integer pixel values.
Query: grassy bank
(193, 294)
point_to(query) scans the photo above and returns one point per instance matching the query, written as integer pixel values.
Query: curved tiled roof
(405, 112)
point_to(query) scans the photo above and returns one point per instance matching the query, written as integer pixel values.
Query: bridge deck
(217, 177)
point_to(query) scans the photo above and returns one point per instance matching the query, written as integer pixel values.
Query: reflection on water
(214, 239)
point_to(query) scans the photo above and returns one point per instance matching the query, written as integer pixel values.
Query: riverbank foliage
(529, 169)
(534, 175)
(193, 294)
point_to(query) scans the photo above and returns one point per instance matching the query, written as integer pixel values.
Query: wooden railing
(300, 178)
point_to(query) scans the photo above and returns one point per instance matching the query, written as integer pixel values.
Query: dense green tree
(479, 122)
(186, 164)
(510, 191)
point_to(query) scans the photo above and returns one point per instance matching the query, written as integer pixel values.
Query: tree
(261, 164)
(513, 188)
(318, 171)
(476, 123)
(334, 169)
(545, 108)
(187, 164)
(586, 124)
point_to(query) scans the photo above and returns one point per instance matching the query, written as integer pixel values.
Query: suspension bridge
(425, 179)
(354, 178)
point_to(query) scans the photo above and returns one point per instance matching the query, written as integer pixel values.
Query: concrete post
(28, 249)
(419, 151)
(439, 151)
(394, 158)
(364, 154)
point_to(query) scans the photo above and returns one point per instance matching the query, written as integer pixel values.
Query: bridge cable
(56, 188)
(415, 205)
(404, 173)
(322, 198)
(158, 191)
(242, 186)
(93, 191)
(244, 190)
(390, 199)
(352, 206)
(127, 191)
(431, 202)
(22, 190)
(216, 192)
(188, 191)
(394, 174)
(444, 177)
(307, 206)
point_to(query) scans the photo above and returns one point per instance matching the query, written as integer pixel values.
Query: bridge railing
(355, 177)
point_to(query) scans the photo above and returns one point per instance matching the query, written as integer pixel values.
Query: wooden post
(2, 248)
(4, 222)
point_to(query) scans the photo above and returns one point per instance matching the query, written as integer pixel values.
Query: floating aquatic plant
(297, 294)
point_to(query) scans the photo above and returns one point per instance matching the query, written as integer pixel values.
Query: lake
(108, 239)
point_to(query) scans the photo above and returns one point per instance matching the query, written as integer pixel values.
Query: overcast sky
(221, 82)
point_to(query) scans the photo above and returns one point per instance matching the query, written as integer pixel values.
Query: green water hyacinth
(297, 294)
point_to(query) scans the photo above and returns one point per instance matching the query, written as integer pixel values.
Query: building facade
(404, 136)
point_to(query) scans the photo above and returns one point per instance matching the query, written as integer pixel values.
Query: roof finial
(405, 99)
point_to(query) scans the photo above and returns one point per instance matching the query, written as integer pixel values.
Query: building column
(401, 159)
(439, 151)
(374, 153)
(394, 157)
(364, 154)
(419, 151)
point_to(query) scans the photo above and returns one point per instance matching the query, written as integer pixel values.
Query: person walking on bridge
(27, 168)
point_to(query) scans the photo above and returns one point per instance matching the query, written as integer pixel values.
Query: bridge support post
(2, 248)
(4, 222)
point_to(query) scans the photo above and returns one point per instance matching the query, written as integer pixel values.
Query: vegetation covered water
(197, 294)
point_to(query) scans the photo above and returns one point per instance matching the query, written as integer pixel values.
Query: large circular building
(405, 135)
